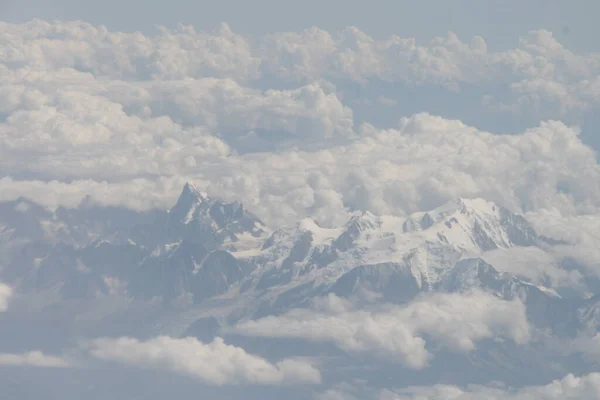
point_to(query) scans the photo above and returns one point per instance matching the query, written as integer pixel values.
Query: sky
(499, 22)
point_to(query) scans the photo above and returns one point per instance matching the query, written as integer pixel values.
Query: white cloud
(215, 363)
(5, 294)
(32, 358)
(307, 113)
(454, 320)
(167, 55)
(569, 387)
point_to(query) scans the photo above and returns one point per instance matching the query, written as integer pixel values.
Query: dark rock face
(483, 240)
(195, 216)
(520, 231)
(188, 268)
(299, 251)
(204, 329)
(218, 272)
(393, 280)
(354, 228)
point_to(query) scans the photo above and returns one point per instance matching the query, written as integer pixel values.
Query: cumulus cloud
(396, 332)
(242, 115)
(32, 358)
(5, 294)
(569, 387)
(215, 363)
(81, 127)
(167, 55)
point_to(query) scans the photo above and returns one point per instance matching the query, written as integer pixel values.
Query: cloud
(242, 115)
(397, 332)
(215, 363)
(75, 126)
(167, 55)
(5, 294)
(333, 394)
(32, 358)
(539, 266)
(569, 387)
(581, 232)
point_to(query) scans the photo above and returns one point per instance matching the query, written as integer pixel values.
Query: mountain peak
(189, 189)
(187, 203)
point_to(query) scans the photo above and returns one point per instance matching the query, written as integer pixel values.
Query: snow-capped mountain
(375, 251)
(205, 249)
(205, 267)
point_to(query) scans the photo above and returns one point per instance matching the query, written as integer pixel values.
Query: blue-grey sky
(499, 22)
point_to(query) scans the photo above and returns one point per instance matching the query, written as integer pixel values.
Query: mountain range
(208, 265)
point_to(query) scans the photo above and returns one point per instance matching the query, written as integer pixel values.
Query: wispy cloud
(215, 363)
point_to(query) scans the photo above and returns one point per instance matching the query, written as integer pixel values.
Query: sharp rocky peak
(193, 203)
(196, 214)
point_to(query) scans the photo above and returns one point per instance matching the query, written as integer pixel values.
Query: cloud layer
(397, 332)
(215, 363)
